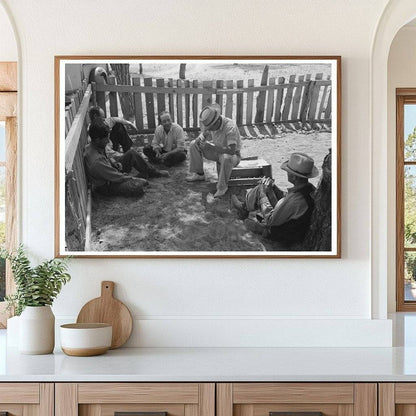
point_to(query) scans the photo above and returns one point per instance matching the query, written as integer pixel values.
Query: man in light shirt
(285, 215)
(168, 144)
(219, 141)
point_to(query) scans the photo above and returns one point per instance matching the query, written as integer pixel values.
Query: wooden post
(150, 104)
(160, 83)
(219, 97)
(179, 104)
(138, 106)
(187, 105)
(261, 98)
(229, 104)
(270, 101)
(94, 93)
(195, 112)
(206, 95)
(249, 112)
(171, 101)
(239, 117)
(279, 100)
(182, 70)
(113, 97)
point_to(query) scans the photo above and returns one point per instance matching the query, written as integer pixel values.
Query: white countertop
(213, 364)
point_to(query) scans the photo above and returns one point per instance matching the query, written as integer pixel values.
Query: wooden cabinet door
(146, 399)
(397, 399)
(297, 399)
(27, 399)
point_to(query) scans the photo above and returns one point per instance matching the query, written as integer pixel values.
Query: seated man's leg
(133, 159)
(120, 137)
(130, 187)
(196, 164)
(227, 162)
(174, 157)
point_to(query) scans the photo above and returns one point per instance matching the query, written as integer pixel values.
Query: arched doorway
(396, 14)
(8, 148)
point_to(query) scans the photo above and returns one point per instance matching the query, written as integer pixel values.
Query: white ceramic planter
(13, 331)
(37, 330)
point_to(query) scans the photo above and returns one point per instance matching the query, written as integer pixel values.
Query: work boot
(195, 177)
(240, 207)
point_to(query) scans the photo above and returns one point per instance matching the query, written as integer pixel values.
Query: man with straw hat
(285, 216)
(219, 141)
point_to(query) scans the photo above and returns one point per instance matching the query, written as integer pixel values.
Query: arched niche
(396, 14)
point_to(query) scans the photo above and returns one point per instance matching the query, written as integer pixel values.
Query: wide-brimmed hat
(209, 115)
(301, 165)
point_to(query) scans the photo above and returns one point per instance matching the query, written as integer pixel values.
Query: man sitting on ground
(219, 141)
(285, 216)
(168, 145)
(111, 177)
(118, 133)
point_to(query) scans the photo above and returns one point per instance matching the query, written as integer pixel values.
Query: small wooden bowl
(84, 340)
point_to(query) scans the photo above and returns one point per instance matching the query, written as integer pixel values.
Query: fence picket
(171, 101)
(296, 99)
(239, 116)
(219, 97)
(288, 98)
(270, 101)
(113, 97)
(206, 95)
(195, 104)
(305, 99)
(160, 82)
(138, 107)
(179, 105)
(328, 109)
(261, 97)
(279, 100)
(187, 105)
(249, 112)
(150, 105)
(314, 98)
(229, 104)
(323, 100)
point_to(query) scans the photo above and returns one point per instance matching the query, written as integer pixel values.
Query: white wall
(401, 74)
(8, 46)
(179, 302)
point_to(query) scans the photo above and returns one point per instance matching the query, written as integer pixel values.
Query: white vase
(37, 330)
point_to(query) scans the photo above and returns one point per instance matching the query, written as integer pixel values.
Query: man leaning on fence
(219, 141)
(107, 176)
(168, 144)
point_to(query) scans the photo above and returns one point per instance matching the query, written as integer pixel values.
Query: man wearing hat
(219, 141)
(286, 216)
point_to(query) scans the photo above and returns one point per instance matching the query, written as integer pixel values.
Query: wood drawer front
(397, 399)
(27, 393)
(27, 399)
(104, 399)
(332, 399)
(138, 393)
(293, 393)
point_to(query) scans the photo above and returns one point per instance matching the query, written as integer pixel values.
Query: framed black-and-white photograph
(198, 156)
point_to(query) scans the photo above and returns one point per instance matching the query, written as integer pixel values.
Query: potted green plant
(36, 289)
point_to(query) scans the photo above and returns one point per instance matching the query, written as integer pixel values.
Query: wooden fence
(77, 198)
(300, 101)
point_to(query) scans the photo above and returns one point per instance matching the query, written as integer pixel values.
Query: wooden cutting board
(107, 309)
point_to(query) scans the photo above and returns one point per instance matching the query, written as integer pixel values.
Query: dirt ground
(174, 215)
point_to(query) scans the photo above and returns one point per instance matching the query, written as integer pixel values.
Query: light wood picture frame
(285, 110)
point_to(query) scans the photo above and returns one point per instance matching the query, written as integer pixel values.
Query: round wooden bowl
(84, 340)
